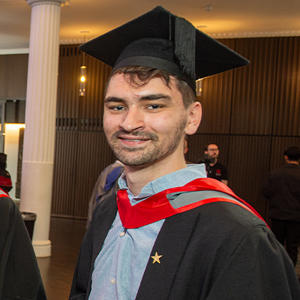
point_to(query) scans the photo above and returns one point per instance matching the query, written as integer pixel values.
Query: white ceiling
(218, 18)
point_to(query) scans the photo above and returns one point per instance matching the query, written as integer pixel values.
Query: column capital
(39, 2)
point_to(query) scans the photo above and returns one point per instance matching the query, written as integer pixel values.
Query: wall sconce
(83, 73)
(82, 80)
(199, 88)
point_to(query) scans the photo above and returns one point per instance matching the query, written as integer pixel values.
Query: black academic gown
(19, 274)
(215, 251)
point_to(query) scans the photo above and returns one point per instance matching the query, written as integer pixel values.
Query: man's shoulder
(6, 204)
(221, 224)
(230, 215)
(213, 200)
(286, 170)
(219, 210)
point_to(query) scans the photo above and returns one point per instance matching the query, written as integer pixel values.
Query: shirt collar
(174, 179)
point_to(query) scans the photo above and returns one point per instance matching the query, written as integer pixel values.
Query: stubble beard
(148, 154)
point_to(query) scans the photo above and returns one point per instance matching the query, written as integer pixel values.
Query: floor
(57, 270)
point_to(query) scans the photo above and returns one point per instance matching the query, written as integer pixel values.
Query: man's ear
(194, 118)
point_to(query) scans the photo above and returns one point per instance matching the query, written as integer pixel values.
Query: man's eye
(153, 106)
(116, 107)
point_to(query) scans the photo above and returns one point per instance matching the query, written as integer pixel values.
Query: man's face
(212, 151)
(144, 124)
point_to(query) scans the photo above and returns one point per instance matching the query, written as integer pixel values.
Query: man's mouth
(133, 138)
(129, 140)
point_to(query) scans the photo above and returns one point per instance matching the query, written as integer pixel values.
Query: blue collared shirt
(120, 265)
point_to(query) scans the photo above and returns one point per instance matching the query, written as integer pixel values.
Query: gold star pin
(156, 258)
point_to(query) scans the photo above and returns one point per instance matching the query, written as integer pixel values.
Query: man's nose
(133, 119)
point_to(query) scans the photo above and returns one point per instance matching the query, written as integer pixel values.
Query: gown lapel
(171, 244)
(103, 219)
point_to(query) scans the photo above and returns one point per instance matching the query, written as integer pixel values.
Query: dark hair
(139, 76)
(293, 153)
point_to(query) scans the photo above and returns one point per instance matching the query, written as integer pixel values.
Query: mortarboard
(167, 42)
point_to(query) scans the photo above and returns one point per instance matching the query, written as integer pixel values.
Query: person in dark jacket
(214, 168)
(19, 273)
(104, 183)
(166, 231)
(282, 191)
(5, 179)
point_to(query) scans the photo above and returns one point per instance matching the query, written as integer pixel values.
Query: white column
(39, 138)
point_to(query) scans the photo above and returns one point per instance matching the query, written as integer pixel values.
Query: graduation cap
(161, 40)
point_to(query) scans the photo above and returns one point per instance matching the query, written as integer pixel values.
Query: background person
(282, 191)
(104, 183)
(5, 179)
(19, 273)
(214, 168)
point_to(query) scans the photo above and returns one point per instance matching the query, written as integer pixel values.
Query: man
(213, 167)
(19, 273)
(282, 191)
(159, 239)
